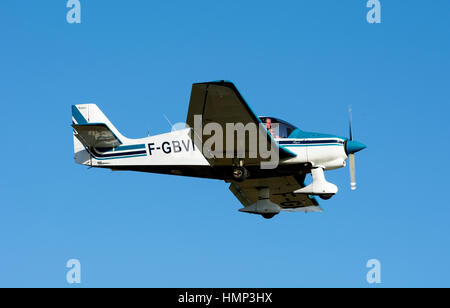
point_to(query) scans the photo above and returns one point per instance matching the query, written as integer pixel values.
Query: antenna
(170, 123)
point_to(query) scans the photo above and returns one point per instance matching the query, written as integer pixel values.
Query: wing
(281, 193)
(96, 135)
(220, 102)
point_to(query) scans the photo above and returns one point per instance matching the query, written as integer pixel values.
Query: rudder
(89, 114)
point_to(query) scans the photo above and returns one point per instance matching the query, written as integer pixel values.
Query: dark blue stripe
(293, 142)
(122, 148)
(97, 154)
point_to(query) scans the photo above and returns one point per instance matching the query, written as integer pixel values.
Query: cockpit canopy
(278, 128)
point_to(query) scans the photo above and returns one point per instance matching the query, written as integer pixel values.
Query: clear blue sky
(302, 61)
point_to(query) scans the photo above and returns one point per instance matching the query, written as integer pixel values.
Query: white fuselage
(177, 149)
(328, 153)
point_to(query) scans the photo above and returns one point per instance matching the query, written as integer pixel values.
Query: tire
(240, 174)
(268, 216)
(325, 197)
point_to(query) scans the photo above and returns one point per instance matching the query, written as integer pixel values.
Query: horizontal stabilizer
(96, 135)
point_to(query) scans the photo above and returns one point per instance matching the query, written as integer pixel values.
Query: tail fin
(90, 113)
(92, 128)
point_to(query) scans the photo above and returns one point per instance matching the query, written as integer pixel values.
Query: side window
(276, 130)
(282, 131)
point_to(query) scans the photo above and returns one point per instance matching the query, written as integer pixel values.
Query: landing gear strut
(263, 206)
(319, 187)
(240, 173)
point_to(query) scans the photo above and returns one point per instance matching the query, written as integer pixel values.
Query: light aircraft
(264, 191)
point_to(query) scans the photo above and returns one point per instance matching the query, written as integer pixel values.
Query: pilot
(269, 126)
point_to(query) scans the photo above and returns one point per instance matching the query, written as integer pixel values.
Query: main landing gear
(240, 174)
(263, 206)
(320, 186)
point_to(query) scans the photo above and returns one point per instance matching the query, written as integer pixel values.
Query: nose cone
(354, 146)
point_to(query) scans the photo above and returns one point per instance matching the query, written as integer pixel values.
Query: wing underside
(281, 193)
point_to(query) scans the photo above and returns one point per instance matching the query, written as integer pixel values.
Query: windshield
(278, 128)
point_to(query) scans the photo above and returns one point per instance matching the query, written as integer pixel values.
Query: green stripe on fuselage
(129, 147)
(122, 148)
(107, 158)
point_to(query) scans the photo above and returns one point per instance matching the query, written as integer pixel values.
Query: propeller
(351, 148)
(351, 161)
(351, 157)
